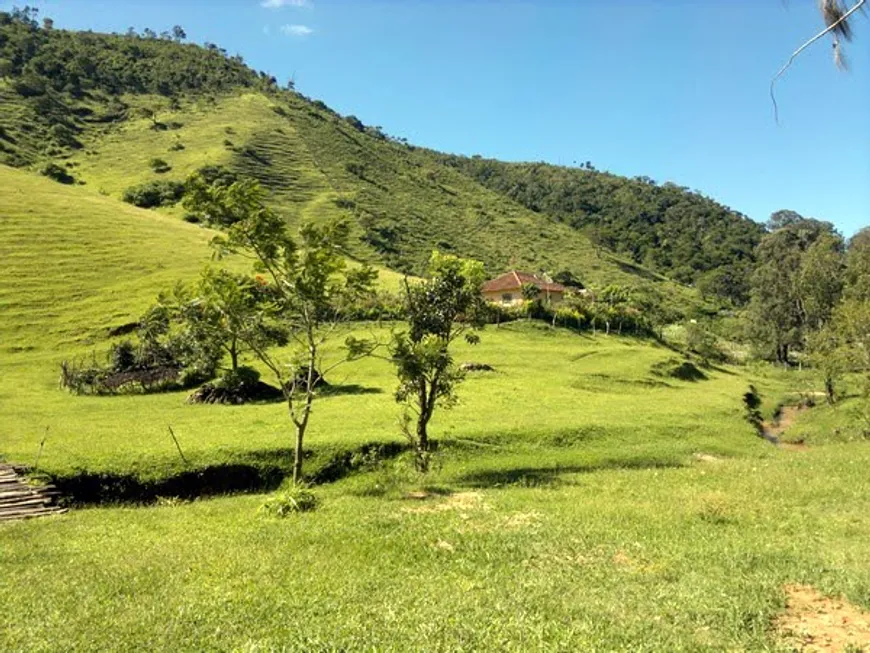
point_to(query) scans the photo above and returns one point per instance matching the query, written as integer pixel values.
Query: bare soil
(814, 623)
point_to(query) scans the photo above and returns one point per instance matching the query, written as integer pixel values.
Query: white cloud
(277, 4)
(296, 30)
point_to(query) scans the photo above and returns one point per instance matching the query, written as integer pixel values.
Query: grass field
(578, 501)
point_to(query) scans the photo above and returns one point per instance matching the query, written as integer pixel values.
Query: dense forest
(666, 227)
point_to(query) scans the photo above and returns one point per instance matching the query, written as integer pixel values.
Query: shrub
(354, 122)
(159, 165)
(354, 168)
(215, 175)
(752, 410)
(123, 356)
(154, 193)
(56, 172)
(64, 136)
(176, 147)
(240, 377)
(288, 501)
(702, 342)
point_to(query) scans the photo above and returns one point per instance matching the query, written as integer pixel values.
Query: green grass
(692, 558)
(578, 502)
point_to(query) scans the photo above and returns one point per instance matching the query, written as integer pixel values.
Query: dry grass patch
(461, 502)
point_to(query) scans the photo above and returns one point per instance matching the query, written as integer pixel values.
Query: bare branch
(833, 27)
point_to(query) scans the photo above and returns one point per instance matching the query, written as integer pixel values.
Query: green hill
(667, 228)
(110, 109)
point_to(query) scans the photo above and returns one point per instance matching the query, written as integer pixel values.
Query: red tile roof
(514, 280)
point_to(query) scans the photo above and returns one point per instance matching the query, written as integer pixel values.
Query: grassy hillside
(74, 263)
(105, 128)
(317, 166)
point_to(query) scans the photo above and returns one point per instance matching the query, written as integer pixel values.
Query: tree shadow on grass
(348, 389)
(250, 472)
(554, 476)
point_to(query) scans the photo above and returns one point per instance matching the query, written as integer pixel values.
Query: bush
(123, 356)
(702, 342)
(241, 377)
(64, 136)
(354, 168)
(215, 175)
(176, 147)
(159, 166)
(58, 173)
(354, 122)
(154, 193)
(288, 501)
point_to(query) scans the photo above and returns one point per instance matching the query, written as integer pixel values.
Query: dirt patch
(787, 416)
(461, 502)
(794, 446)
(815, 624)
(706, 458)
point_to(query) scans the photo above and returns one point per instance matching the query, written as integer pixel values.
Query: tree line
(665, 227)
(810, 298)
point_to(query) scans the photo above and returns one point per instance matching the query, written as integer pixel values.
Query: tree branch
(830, 28)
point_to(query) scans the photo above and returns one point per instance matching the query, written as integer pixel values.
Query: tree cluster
(811, 297)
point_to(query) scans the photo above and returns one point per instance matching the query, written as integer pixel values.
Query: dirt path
(818, 624)
(775, 429)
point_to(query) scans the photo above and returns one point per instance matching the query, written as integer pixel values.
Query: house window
(507, 298)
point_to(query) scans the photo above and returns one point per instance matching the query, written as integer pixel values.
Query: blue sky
(676, 90)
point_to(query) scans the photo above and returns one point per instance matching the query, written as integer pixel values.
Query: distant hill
(116, 111)
(666, 228)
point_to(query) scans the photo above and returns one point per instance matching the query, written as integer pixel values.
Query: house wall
(516, 297)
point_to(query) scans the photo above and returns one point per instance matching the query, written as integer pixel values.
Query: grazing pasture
(579, 500)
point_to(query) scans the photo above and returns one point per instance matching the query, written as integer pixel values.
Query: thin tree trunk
(829, 390)
(302, 424)
(234, 355)
(298, 455)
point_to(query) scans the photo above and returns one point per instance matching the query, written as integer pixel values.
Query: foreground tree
(309, 289)
(445, 306)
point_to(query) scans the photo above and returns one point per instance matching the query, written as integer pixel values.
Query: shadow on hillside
(553, 476)
(258, 471)
(632, 268)
(349, 389)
